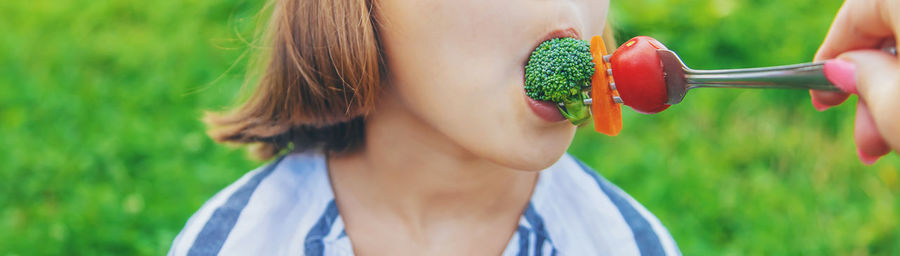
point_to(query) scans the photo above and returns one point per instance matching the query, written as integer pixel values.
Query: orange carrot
(607, 113)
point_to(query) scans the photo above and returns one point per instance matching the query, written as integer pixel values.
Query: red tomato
(638, 74)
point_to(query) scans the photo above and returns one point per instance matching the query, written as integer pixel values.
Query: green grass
(102, 151)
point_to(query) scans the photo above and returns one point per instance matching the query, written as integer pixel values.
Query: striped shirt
(288, 208)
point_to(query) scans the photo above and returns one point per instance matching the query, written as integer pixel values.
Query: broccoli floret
(560, 71)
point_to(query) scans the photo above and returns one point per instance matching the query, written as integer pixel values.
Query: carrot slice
(607, 113)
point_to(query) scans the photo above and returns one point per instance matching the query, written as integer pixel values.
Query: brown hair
(320, 78)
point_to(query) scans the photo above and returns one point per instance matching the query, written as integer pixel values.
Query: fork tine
(617, 99)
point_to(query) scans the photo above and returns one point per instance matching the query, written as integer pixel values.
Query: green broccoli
(560, 71)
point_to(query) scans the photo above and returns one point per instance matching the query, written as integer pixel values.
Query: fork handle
(798, 76)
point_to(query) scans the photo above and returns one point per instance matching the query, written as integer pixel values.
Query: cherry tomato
(638, 74)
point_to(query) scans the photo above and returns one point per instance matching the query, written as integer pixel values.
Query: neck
(409, 171)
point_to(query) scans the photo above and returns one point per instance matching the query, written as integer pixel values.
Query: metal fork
(680, 78)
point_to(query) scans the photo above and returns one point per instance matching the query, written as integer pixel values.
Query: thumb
(870, 145)
(876, 75)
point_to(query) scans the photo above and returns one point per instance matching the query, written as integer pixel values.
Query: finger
(869, 144)
(878, 83)
(860, 24)
(840, 73)
(822, 100)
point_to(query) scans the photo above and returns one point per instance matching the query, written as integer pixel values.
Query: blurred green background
(103, 153)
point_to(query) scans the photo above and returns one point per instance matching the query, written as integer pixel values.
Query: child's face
(458, 66)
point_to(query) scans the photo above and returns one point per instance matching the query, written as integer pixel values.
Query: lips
(547, 110)
(558, 33)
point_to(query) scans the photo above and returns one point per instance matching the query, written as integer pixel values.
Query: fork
(680, 78)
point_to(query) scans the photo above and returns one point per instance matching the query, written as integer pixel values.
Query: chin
(533, 161)
(536, 155)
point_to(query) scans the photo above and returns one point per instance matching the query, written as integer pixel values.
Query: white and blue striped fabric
(288, 208)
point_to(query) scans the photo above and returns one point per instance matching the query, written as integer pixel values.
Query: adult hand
(859, 30)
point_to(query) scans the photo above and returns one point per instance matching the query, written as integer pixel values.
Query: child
(401, 127)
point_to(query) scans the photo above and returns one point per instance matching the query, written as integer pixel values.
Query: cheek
(484, 113)
(457, 75)
(488, 119)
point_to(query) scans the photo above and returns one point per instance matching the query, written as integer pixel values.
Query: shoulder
(584, 214)
(265, 207)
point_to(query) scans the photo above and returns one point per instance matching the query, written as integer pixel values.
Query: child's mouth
(546, 110)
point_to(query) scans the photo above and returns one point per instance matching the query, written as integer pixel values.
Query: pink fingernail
(842, 74)
(816, 104)
(866, 159)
